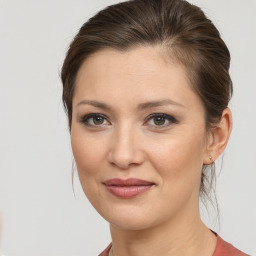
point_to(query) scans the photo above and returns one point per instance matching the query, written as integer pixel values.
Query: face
(135, 116)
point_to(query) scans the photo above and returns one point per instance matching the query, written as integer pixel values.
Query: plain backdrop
(41, 215)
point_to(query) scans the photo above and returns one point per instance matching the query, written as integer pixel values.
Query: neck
(179, 237)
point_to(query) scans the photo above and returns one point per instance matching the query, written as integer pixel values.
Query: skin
(127, 143)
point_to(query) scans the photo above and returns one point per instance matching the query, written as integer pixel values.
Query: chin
(130, 219)
(130, 224)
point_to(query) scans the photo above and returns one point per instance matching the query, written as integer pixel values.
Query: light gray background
(41, 216)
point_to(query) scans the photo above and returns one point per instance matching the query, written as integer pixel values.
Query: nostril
(123, 162)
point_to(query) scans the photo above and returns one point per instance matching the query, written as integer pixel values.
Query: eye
(161, 120)
(94, 120)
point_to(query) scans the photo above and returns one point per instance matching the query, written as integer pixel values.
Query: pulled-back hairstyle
(184, 32)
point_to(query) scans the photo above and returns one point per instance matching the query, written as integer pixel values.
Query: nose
(126, 148)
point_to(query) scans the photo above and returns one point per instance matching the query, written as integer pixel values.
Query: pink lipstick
(127, 188)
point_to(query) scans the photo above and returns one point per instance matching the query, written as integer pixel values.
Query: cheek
(89, 157)
(180, 158)
(86, 151)
(179, 163)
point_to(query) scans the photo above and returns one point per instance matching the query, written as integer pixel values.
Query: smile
(128, 188)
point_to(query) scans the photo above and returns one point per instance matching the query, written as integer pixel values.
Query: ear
(218, 137)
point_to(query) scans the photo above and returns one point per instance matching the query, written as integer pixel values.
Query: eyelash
(171, 119)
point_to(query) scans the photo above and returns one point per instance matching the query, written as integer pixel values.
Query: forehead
(143, 62)
(143, 73)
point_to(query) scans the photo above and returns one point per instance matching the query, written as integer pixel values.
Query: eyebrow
(158, 103)
(142, 106)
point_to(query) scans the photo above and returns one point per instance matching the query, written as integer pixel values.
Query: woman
(146, 87)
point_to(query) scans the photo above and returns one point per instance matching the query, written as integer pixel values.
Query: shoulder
(224, 248)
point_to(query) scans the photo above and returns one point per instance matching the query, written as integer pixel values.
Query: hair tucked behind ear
(182, 29)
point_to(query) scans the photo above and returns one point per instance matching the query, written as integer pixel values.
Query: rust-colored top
(222, 249)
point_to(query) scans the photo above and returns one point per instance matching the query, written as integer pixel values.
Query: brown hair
(183, 30)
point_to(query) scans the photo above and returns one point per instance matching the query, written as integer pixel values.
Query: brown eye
(94, 120)
(97, 120)
(159, 120)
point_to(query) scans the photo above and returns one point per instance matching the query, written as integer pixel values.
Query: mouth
(127, 188)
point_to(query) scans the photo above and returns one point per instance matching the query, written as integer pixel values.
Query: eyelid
(171, 119)
(86, 117)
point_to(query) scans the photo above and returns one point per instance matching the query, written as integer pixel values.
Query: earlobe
(219, 136)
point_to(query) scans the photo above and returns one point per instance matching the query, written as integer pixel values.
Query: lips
(127, 182)
(127, 188)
